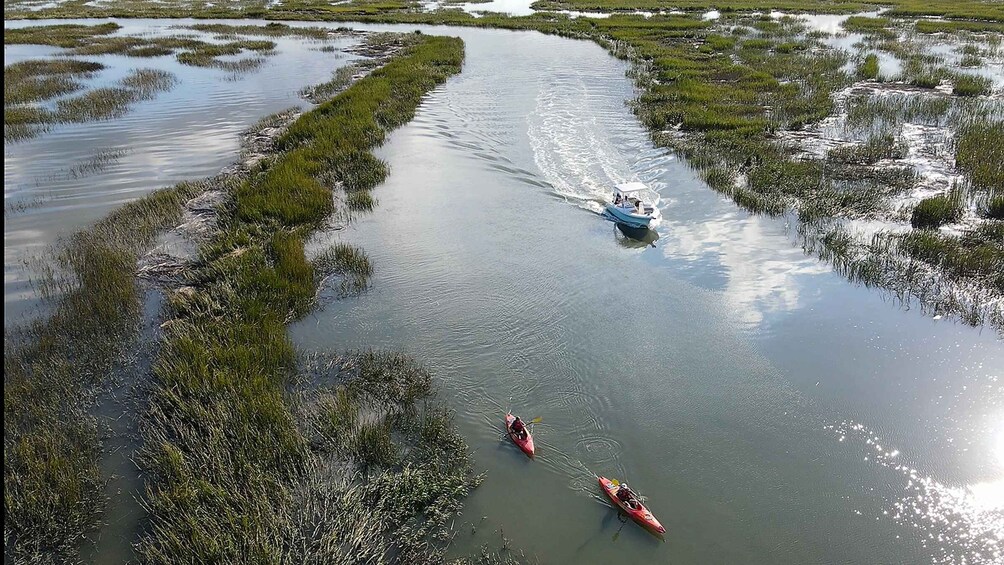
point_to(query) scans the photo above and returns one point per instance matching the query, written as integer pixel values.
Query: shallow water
(770, 411)
(51, 186)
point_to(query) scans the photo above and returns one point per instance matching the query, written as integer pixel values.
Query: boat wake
(584, 144)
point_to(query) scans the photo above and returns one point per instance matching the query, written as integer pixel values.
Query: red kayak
(524, 444)
(640, 514)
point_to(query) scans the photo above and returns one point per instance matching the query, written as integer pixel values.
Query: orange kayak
(526, 445)
(640, 514)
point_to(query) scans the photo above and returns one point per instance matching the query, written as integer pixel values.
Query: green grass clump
(113, 102)
(869, 67)
(34, 68)
(873, 26)
(273, 29)
(210, 55)
(926, 80)
(348, 262)
(979, 153)
(976, 256)
(288, 193)
(971, 85)
(147, 82)
(63, 35)
(885, 112)
(937, 211)
(929, 26)
(324, 91)
(36, 80)
(36, 89)
(872, 151)
(205, 55)
(414, 466)
(25, 122)
(95, 40)
(97, 104)
(254, 44)
(373, 445)
(971, 61)
(360, 200)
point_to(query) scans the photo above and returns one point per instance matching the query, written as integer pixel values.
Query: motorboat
(628, 206)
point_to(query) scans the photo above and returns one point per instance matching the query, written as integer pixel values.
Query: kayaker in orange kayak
(519, 428)
(625, 495)
(629, 503)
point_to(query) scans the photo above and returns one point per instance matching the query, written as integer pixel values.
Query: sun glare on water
(960, 524)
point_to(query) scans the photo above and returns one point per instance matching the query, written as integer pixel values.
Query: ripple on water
(599, 449)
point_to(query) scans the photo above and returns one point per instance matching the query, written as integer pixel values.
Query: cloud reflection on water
(762, 273)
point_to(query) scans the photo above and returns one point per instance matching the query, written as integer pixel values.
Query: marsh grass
(869, 67)
(37, 80)
(273, 29)
(994, 207)
(930, 26)
(976, 256)
(221, 423)
(940, 273)
(63, 35)
(213, 55)
(37, 89)
(877, 148)
(872, 112)
(879, 26)
(113, 102)
(324, 91)
(936, 211)
(97, 104)
(360, 200)
(21, 123)
(96, 40)
(971, 85)
(23, 86)
(147, 82)
(979, 153)
(97, 163)
(971, 61)
(30, 82)
(348, 263)
(374, 416)
(52, 483)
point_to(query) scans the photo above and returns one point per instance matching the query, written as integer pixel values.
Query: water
(189, 132)
(769, 410)
(734, 381)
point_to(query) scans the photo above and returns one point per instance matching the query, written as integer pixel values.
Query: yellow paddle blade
(615, 482)
(537, 420)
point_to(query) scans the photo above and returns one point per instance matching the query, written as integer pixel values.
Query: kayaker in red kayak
(629, 503)
(625, 495)
(519, 428)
